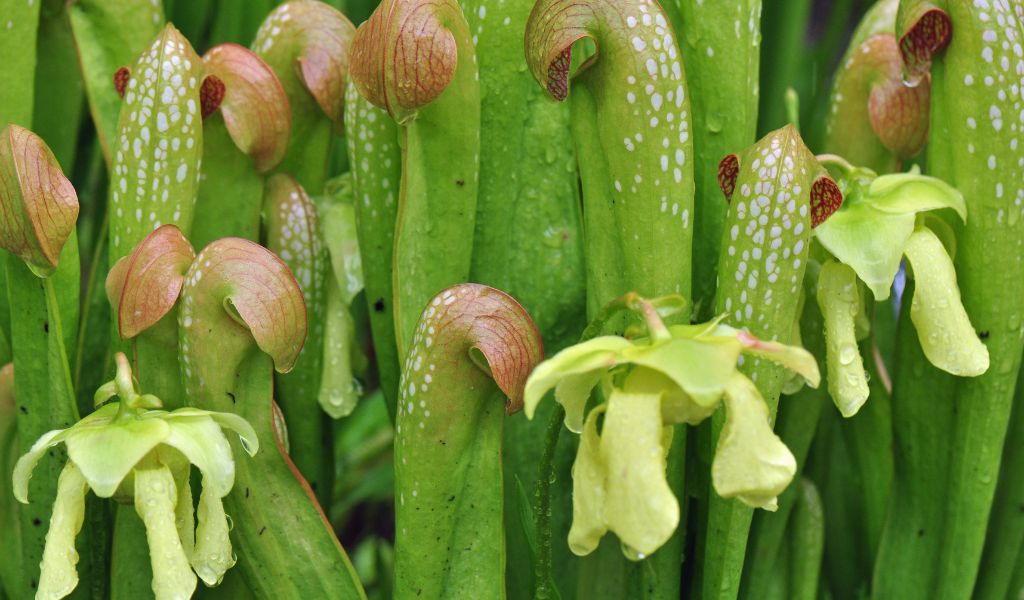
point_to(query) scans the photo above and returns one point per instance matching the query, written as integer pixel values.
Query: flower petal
(676, 405)
(184, 519)
(751, 463)
(792, 357)
(588, 491)
(246, 434)
(58, 576)
(640, 506)
(840, 303)
(573, 392)
(212, 556)
(204, 444)
(869, 241)
(155, 499)
(107, 453)
(27, 463)
(946, 334)
(597, 354)
(911, 193)
(701, 367)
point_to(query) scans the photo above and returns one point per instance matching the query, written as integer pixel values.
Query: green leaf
(437, 103)
(109, 35)
(472, 346)
(376, 179)
(631, 124)
(307, 45)
(39, 203)
(156, 157)
(18, 43)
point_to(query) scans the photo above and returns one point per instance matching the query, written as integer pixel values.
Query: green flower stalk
(293, 232)
(129, 450)
(437, 104)
(10, 570)
(159, 144)
(242, 315)
(671, 375)
(976, 123)
(242, 141)
(777, 192)
(870, 94)
(37, 226)
(306, 43)
(474, 346)
(882, 220)
(631, 123)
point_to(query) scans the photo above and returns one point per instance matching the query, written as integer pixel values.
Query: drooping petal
(588, 490)
(911, 193)
(791, 356)
(212, 556)
(106, 454)
(184, 517)
(573, 392)
(946, 334)
(840, 303)
(600, 353)
(676, 405)
(58, 576)
(639, 506)
(702, 368)
(27, 463)
(751, 463)
(869, 241)
(204, 444)
(155, 499)
(246, 434)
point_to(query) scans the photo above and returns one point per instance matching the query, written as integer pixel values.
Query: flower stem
(543, 572)
(58, 354)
